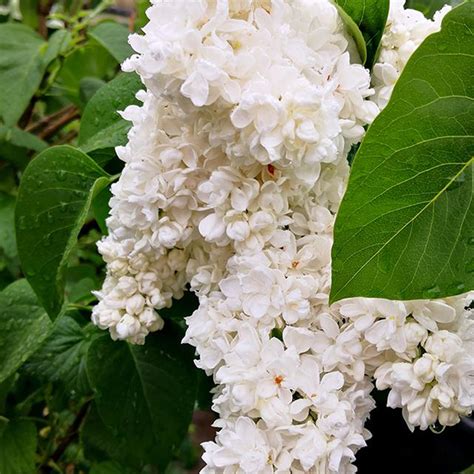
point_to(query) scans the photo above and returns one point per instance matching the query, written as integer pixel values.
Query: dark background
(395, 449)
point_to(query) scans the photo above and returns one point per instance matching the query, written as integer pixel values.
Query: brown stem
(34, 127)
(55, 125)
(71, 432)
(27, 114)
(44, 7)
(46, 466)
(131, 20)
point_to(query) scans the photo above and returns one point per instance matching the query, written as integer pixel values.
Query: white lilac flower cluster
(405, 31)
(234, 170)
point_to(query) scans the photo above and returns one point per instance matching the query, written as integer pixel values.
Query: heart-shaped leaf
(54, 198)
(145, 394)
(405, 227)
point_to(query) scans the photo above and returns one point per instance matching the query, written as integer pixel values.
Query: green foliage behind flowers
(62, 403)
(366, 20)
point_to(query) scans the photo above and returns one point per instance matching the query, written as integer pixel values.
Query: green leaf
(110, 467)
(54, 198)
(91, 60)
(99, 442)
(24, 58)
(7, 179)
(88, 87)
(9, 263)
(18, 447)
(101, 208)
(114, 38)
(429, 7)
(29, 13)
(355, 32)
(16, 143)
(404, 229)
(370, 17)
(101, 125)
(57, 44)
(181, 308)
(23, 326)
(5, 388)
(141, 6)
(22, 66)
(81, 280)
(63, 356)
(7, 226)
(101, 445)
(145, 394)
(22, 139)
(104, 156)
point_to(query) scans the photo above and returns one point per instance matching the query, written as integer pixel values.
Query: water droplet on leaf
(458, 181)
(61, 175)
(470, 266)
(432, 292)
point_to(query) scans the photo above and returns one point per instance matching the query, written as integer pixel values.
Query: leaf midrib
(410, 221)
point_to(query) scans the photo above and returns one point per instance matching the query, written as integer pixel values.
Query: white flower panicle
(234, 170)
(406, 29)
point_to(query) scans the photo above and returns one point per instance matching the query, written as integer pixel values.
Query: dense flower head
(234, 171)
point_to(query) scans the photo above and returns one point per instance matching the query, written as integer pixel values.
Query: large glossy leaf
(63, 356)
(114, 38)
(145, 394)
(53, 201)
(101, 125)
(370, 17)
(18, 447)
(405, 227)
(23, 326)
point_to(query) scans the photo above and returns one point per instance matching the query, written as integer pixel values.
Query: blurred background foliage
(55, 56)
(60, 83)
